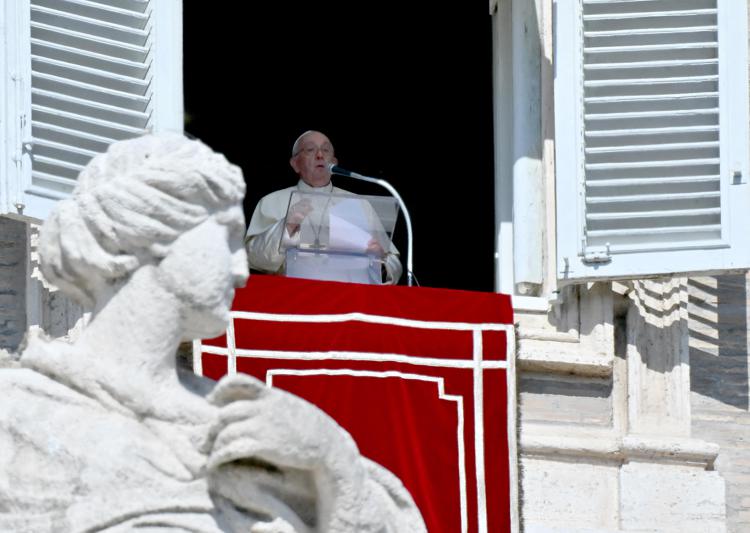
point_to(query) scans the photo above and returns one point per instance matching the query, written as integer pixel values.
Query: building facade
(632, 352)
(612, 166)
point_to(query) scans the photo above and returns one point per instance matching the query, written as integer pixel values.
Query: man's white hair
(296, 146)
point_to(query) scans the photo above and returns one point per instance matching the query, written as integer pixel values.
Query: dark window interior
(403, 89)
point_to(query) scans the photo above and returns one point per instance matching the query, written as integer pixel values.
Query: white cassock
(267, 231)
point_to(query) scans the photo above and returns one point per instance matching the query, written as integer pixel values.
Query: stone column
(667, 481)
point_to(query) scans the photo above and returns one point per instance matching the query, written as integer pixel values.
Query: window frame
(731, 254)
(18, 198)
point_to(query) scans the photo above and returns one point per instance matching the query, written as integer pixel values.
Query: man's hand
(373, 247)
(297, 214)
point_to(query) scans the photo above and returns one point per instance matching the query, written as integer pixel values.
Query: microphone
(335, 169)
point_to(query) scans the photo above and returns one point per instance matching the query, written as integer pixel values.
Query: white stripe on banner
(372, 319)
(231, 350)
(354, 356)
(479, 433)
(477, 364)
(197, 357)
(510, 374)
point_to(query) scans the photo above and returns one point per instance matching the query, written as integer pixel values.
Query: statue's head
(161, 200)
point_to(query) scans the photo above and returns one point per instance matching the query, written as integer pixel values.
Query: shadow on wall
(717, 320)
(658, 310)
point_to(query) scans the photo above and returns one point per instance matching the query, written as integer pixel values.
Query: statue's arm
(369, 498)
(291, 439)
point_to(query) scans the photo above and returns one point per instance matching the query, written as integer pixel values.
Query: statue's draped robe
(74, 459)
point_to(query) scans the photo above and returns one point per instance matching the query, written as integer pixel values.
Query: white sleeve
(393, 268)
(263, 249)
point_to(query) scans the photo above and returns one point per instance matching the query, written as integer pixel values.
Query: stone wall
(49, 309)
(606, 441)
(720, 394)
(26, 299)
(12, 283)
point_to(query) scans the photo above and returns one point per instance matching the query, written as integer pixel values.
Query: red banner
(420, 377)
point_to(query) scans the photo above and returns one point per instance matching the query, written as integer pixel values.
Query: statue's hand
(273, 426)
(267, 428)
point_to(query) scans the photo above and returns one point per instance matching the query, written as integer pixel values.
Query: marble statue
(107, 434)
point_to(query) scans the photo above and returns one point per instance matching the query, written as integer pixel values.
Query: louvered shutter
(651, 137)
(98, 71)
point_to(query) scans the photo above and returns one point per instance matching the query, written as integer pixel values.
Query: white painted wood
(168, 94)
(651, 137)
(528, 187)
(88, 74)
(5, 87)
(569, 146)
(502, 82)
(15, 160)
(549, 246)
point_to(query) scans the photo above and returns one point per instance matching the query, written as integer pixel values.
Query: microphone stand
(410, 237)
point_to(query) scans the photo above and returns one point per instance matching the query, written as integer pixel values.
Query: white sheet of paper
(346, 236)
(347, 218)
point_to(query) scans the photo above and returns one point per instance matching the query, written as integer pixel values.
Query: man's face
(314, 154)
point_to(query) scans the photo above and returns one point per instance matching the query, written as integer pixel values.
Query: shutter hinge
(25, 147)
(597, 257)
(18, 150)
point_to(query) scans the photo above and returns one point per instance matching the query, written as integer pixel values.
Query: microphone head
(335, 169)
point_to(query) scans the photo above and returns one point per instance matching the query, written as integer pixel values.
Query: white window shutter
(651, 133)
(94, 72)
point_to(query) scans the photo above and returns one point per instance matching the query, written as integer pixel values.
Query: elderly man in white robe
(270, 226)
